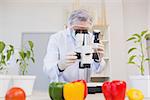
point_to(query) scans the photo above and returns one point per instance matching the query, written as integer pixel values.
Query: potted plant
(6, 51)
(24, 81)
(138, 57)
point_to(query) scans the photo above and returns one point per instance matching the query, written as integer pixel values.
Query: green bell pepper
(56, 90)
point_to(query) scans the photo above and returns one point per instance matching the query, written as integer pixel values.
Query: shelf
(100, 27)
(100, 76)
(106, 58)
(104, 38)
(105, 41)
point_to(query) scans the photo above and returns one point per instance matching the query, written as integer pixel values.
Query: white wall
(135, 15)
(115, 20)
(149, 13)
(30, 17)
(1, 13)
(33, 16)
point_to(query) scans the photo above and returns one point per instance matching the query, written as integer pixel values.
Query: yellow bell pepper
(135, 94)
(74, 91)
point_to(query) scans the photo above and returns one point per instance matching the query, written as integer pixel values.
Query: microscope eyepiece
(81, 31)
(96, 36)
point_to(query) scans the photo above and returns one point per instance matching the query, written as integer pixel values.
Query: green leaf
(8, 54)
(11, 48)
(22, 55)
(147, 36)
(20, 63)
(147, 59)
(142, 70)
(132, 49)
(138, 36)
(131, 58)
(1, 68)
(3, 62)
(144, 32)
(31, 44)
(2, 46)
(33, 60)
(28, 54)
(17, 60)
(131, 63)
(25, 55)
(3, 57)
(131, 38)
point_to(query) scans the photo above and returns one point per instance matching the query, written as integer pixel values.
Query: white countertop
(45, 96)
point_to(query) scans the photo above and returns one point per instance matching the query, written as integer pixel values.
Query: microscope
(85, 42)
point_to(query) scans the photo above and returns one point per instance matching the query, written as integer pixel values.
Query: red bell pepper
(85, 87)
(118, 89)
(106, 89)
(114, 90)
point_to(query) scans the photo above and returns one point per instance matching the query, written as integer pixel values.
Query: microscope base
(94, 87)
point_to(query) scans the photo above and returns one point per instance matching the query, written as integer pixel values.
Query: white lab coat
(59, 45)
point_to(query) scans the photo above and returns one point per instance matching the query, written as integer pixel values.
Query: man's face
(81, 26)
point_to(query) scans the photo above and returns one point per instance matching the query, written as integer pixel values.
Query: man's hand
(67, 61)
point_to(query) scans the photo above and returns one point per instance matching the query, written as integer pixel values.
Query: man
(60, 62)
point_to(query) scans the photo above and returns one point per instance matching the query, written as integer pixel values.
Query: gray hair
(78, 16)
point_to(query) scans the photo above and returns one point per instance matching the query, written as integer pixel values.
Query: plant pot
(5, 82)
(24, 82)
(142, 83)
